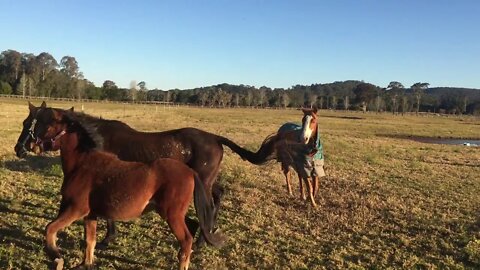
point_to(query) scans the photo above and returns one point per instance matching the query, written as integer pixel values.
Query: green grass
(386, 203)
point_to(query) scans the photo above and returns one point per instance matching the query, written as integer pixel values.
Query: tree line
(42, 75)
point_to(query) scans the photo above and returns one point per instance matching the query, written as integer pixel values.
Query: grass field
(386, 203)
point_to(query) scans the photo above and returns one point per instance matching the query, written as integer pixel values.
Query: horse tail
(264, 153)
(205, 214)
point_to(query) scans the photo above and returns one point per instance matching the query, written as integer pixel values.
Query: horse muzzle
(20, 150)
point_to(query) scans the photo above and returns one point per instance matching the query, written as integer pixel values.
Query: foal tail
(205, 214)
(265, 153)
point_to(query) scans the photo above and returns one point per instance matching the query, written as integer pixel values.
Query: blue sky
(185, 44)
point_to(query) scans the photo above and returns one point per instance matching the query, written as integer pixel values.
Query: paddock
(386, 201)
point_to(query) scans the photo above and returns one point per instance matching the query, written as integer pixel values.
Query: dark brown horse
(200, 150)
(98, 184)
(307, 167)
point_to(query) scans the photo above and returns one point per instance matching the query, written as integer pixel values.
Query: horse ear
(71, 109)
(57, 115)
(314, 109)
(31, 107)
(44, 105)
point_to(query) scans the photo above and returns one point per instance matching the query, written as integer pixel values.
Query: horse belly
(122, 206)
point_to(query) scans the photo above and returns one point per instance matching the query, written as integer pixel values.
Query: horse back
(290, 132)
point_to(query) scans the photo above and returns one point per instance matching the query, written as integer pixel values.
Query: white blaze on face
(306, 130)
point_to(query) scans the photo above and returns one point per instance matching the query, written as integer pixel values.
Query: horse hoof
(58, 263)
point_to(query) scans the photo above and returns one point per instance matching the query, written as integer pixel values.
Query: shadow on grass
(132, 263)
(14, 235)
(32, 163)
(7, 206)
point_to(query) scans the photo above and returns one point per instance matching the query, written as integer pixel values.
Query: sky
(187, 44)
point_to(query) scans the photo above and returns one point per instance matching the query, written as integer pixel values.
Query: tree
(312, 99)
(69, 66)
(394, 89)
(346, 103)
(11, 61)
(203, 97)
(249, 97)
(285, 100)
(364, 93)
(133, 90)
(110, 90)
(47, 64)
(142, 85)
(29, 70)
(418, 90)
(237, 99)
(5, 88)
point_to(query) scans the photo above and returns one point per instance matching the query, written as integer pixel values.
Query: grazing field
(386, 202)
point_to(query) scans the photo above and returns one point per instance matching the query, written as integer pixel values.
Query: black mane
(86, 126)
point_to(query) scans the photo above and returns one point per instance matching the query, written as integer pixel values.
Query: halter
(41, 142)
(30, 132)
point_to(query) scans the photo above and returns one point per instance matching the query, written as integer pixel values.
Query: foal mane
(86, 128)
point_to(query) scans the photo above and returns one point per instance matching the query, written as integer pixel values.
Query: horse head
(309, 124)
(26, 140)
(51, 124)
(41, 129)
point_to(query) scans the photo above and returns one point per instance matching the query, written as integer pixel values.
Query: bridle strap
(54, 139)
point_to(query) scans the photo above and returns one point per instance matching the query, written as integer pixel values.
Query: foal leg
(90, 237)
(180, 230)
(110, 236)
(66, 216)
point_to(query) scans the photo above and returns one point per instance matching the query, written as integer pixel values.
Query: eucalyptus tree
(418, 90)
(46, 63)
(11, 63)
(394, 89)
(365, 92)
(132, 93)
(69, 66)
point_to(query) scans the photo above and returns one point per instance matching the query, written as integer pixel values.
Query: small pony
(309, 167)
(98, 184)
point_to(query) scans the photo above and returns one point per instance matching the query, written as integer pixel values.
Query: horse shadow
(32, 163)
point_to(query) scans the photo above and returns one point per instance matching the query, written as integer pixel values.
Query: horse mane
(86, 127)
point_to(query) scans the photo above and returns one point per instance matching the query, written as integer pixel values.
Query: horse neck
(69, 153)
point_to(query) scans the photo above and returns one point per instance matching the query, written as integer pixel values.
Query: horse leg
(302, 188)
(90, 237)
(110, 236)
(180, 230)
(286, 172)
(308, 182)
(316, 186)
(66, 216)
(217, 193)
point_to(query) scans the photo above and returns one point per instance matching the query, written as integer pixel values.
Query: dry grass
(386, 202)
